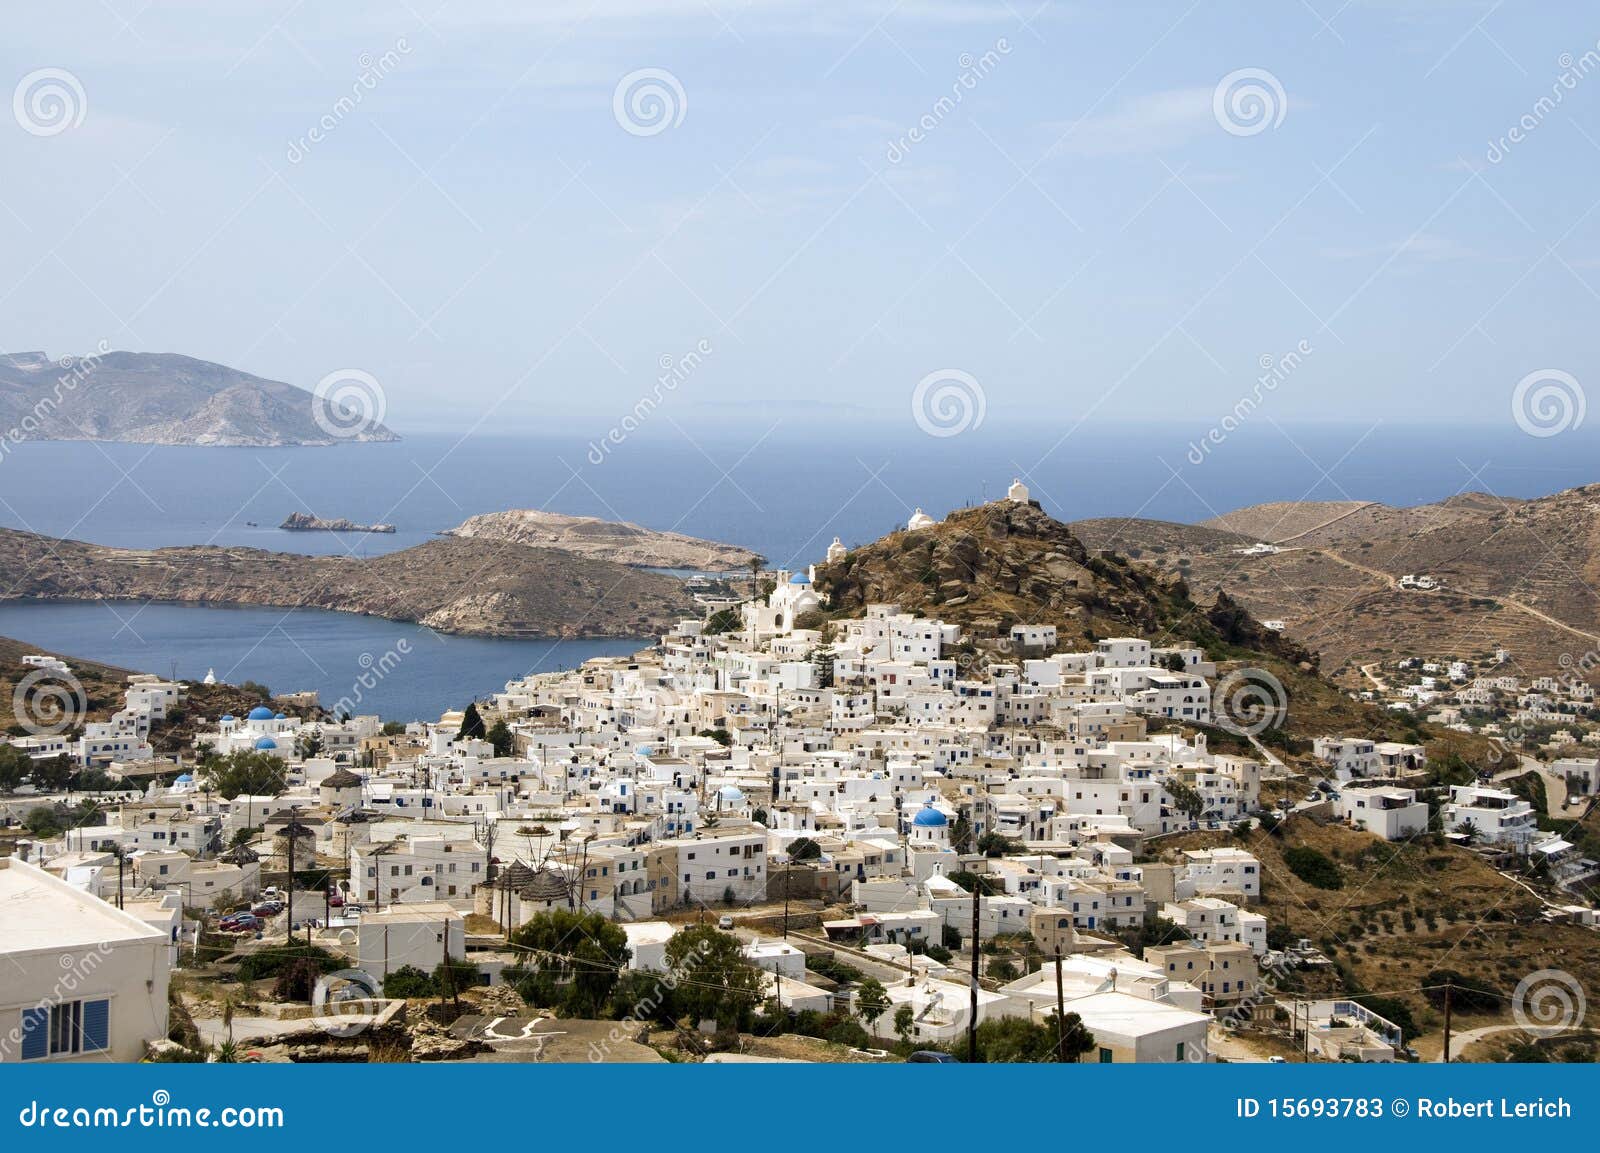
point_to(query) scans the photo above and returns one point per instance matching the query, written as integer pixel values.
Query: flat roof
(42, 913)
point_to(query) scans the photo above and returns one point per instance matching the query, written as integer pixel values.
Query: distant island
(305, 522)
(164, 398)
(616, 541)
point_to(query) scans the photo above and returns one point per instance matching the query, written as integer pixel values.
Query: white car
(724, 922)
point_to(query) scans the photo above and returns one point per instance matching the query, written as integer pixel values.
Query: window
(70, 1027)
(1180, 1051)
(1105, 1056)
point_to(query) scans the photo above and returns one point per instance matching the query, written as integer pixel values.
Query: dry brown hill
(1519, 574)
(482, 588)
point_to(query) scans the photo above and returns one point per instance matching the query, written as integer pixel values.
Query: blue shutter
(35, 1034)
(96, 1026)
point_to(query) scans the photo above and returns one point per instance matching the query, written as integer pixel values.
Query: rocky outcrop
(617, 541)
(305, 522)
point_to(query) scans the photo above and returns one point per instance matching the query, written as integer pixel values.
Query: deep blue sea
(785, 495)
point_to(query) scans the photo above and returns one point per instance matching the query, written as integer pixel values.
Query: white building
(84, 981)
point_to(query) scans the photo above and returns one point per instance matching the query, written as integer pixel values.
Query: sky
(912, 216)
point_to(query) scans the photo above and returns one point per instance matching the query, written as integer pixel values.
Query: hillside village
(811, 825)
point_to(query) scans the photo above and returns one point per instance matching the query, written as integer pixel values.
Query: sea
(786, 495)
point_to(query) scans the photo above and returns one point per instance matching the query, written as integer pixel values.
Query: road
(1460, 1040)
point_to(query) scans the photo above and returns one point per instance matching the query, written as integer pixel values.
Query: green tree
(1185, 799)
(245, 773)
(408, 983)
(42, 822)
(499, 735)
(471, 724)
(715, 980)
(52, 774)
(1075, 1041)
(804, 849)
(14, 768)
(872, 1000)
(969, 880)
(308, 744)
(904, 1018)
(574, 962)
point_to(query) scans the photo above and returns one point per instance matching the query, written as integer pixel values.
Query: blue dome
(227, 716)
(930, 818)
(730, 793)
(266, 743)
(183, 778)
(279, 717)
(799, 579)
(260, 713)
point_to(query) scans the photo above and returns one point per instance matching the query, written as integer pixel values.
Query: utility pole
(1448, 989)
(1061, 1012)
(972, 1017)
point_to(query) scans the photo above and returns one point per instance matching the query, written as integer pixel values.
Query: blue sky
(1080, 235)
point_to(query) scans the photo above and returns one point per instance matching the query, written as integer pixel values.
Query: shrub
(1313, 867)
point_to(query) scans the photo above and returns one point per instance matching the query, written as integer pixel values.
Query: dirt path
(1326, 523)
(1510, 602)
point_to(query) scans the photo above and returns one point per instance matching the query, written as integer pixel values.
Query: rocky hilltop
(480, 588)
(617, 541)
(996, 565)
(163, 398)
(305, 522)
(1007, 563)
(1518, 574)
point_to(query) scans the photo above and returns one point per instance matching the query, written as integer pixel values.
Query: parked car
(267, 909)
(243, 923)
(724, 922)
(931, 1057)
(335, 899)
